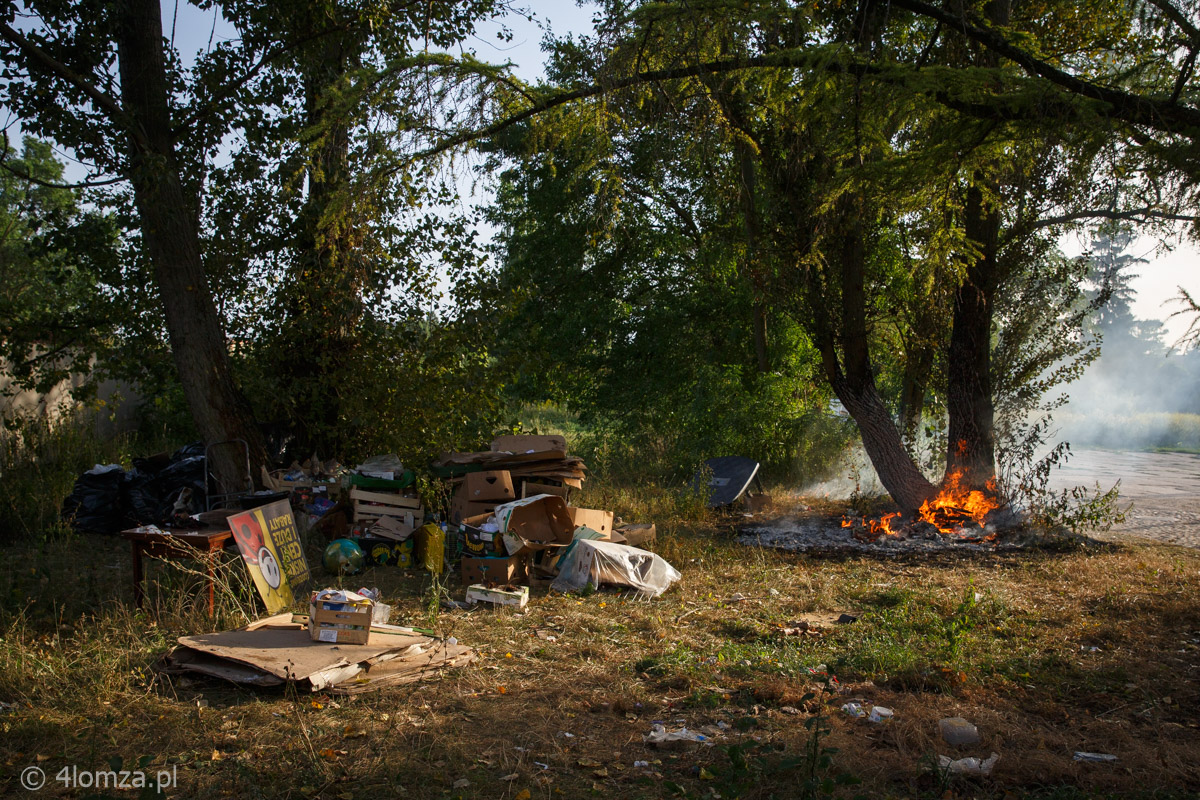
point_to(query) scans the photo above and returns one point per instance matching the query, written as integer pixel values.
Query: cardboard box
(515, 596)
(477, 541)
(494, 485)
(392, 528)
(535, 523)
(599, 521)
(531, 488)
(529, 444)
(638, 535)
(462, 509)
(339, 622)
(493, 570)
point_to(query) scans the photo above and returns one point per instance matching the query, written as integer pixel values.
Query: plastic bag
(94, 504)
(597, 562)
(969, 766)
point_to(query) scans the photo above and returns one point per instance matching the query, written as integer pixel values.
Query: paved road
(1163, 487)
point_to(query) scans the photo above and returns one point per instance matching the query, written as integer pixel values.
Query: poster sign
(270, 546)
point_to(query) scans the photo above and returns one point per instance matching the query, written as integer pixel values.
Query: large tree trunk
(972, 445)
(918, 366)
(172, 243)
(855, 386)
(749, 201)
(323, 302)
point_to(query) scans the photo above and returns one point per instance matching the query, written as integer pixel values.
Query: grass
(1092, 648)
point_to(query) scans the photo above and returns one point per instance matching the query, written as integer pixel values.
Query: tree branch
(1132, 214)
(1177, 16)
(104, 102)
(25, 176)
(1158, 114)
(787, 59)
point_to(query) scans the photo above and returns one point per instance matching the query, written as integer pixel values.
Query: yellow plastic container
(431, 546)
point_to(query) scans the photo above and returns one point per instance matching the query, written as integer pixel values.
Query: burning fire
(954, 507)
(873, 528)
(955, 504)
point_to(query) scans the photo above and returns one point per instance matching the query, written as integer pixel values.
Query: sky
(1155, 287)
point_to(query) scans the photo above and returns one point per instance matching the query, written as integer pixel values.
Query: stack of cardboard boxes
(534, 465)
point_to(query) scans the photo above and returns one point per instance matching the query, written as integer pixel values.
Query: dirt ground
(1163, 490)
(1051, 650)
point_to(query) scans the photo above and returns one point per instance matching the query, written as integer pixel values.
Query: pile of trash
(514, 526)
(107, 499)
(535, 465)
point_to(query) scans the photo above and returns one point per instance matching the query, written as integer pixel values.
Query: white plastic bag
(598, 562)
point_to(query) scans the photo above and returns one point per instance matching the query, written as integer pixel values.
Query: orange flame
(868, 530)
(955, 504)
(883, 525)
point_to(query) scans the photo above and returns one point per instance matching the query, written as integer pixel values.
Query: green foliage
(56, 259)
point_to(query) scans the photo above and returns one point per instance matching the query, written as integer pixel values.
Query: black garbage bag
(180, 478)
(188, 451)
(143, 501)
(95, 504)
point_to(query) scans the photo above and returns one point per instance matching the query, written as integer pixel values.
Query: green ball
(343, 557)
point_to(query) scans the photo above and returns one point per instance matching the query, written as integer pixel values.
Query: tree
(97, 79)
(62, 87)
(56, 257)
(826, 169)
(353, 235)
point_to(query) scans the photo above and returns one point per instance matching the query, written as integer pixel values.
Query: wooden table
(204, 543)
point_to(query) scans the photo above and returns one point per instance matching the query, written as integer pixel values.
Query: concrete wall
(117, 411)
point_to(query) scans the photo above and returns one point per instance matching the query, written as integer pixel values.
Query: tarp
(597, 562)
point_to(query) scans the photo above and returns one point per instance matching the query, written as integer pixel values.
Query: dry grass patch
(1046, 652)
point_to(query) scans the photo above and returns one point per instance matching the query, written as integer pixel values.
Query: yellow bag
(431, 545)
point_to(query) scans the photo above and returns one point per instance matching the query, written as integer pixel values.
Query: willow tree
(829, 106)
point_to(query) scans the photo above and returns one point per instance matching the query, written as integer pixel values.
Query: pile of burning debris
(965, 515)
(957, 517)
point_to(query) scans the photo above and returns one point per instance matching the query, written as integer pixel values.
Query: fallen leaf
(588, 762)
(353, 732)
(522, 795)
(511, 777)
(600, 773)
(705, 775)
(461, 783)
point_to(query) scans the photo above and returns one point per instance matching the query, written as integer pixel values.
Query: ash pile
(955, 519)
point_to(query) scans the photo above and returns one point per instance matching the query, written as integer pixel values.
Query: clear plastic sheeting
(596, 562)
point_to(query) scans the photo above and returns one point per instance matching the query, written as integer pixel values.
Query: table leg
(138, 595)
